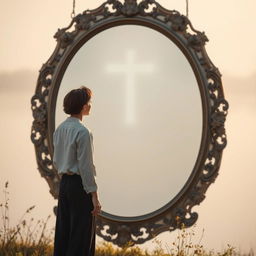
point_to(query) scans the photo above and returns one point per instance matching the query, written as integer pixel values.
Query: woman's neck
(79, 116)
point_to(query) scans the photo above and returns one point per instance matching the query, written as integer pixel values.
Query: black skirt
(75, 224)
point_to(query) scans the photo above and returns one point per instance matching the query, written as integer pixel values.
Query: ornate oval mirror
(146, 118)
(157, 117)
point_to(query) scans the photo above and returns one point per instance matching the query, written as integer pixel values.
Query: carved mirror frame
(178, 28)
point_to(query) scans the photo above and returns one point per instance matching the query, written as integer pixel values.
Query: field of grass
(34, 239)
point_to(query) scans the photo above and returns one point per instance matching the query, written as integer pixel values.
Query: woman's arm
(85, 161)
(87, 168)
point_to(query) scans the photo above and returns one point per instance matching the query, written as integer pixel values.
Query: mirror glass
(146, 116)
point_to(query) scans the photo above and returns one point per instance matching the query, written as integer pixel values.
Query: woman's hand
(96, 204)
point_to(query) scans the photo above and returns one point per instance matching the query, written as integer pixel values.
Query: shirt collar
(73, 119)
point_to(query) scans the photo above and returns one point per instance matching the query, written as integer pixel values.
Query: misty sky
(227, 213)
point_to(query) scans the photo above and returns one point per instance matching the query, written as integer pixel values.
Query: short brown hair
(75, 100)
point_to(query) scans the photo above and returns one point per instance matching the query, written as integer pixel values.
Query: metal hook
(73, 11)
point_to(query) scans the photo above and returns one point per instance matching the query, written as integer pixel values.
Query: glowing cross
(130, 69)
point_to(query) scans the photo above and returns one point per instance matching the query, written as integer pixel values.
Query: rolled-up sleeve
(85, 161)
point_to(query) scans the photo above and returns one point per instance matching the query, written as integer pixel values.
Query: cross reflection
(130, 69)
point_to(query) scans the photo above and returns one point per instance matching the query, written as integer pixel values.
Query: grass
(24, 239)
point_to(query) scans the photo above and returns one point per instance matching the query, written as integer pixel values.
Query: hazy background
(228, 212)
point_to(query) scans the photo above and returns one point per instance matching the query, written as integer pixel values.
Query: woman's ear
(83, 109)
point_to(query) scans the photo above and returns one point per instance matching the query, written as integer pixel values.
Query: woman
(78, 202)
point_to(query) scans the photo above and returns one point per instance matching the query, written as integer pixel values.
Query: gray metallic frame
(136, 230)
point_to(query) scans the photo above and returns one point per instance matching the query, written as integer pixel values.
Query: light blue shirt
(73, 151)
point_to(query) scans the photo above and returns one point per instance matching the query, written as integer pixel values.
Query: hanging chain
(73, 11)
(187, 8)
